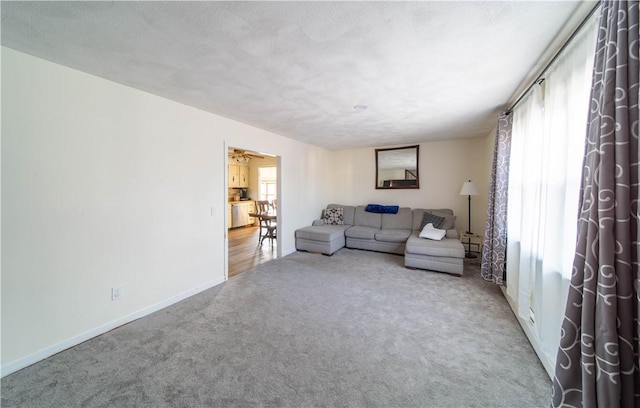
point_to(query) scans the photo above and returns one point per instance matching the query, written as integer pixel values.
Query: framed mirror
(397, 168)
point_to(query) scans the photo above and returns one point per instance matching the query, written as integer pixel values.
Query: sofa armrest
(317, 222)
(452, 233)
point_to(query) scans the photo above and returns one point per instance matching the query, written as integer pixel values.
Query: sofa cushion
(367, 219)
(393, 235)
(333, 216)
(361, 232)
(324, 233)
(452, 233)
(348, 212)
(447, 247)
(401, 220)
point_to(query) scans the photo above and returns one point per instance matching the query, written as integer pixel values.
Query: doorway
(252, 176)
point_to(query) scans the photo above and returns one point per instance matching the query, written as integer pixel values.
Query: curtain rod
(540, 77)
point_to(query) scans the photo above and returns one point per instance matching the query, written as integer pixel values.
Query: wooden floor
(244, 252)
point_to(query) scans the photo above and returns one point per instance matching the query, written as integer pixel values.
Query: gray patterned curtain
(597, 362)
(495, 234)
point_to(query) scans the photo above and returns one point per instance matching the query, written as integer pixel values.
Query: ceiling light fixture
(242, 156)
(241, 159)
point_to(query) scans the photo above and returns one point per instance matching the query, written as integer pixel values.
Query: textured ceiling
(426, 70)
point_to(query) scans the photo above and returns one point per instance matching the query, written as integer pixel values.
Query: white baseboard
(21, 363)
(288, 251)
(546, 361)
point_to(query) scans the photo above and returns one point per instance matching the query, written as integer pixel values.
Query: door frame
(225, 171)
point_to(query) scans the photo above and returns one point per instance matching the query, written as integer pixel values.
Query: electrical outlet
(116, 293)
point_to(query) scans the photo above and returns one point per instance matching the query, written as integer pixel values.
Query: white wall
(444, 167)
(104, 186)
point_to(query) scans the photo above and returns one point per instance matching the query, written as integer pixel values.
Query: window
(547, 148)
(267, 183)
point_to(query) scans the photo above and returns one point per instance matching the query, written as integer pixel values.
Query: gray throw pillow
(430, 218)
(449, 221)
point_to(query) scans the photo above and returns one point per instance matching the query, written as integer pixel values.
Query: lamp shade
(468, 188)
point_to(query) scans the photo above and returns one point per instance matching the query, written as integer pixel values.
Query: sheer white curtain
(548, 139)
(524, 203)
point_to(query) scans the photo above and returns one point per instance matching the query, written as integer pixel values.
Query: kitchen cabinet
(238, 176)
(244, 176)
(234, 175)
(252, 210)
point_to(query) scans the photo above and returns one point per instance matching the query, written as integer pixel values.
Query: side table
(471, 241)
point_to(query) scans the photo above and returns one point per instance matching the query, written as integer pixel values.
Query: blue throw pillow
(382, 209)
(391, 209)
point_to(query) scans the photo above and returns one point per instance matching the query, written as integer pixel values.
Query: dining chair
(267, 220)
(263, 206)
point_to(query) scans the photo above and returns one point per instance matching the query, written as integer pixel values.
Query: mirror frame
(400, 185)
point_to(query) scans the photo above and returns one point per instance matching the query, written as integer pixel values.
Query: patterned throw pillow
(333, 216)
(429, 218)
(449, 220)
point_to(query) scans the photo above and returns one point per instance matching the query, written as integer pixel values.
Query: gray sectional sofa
(393, 233)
